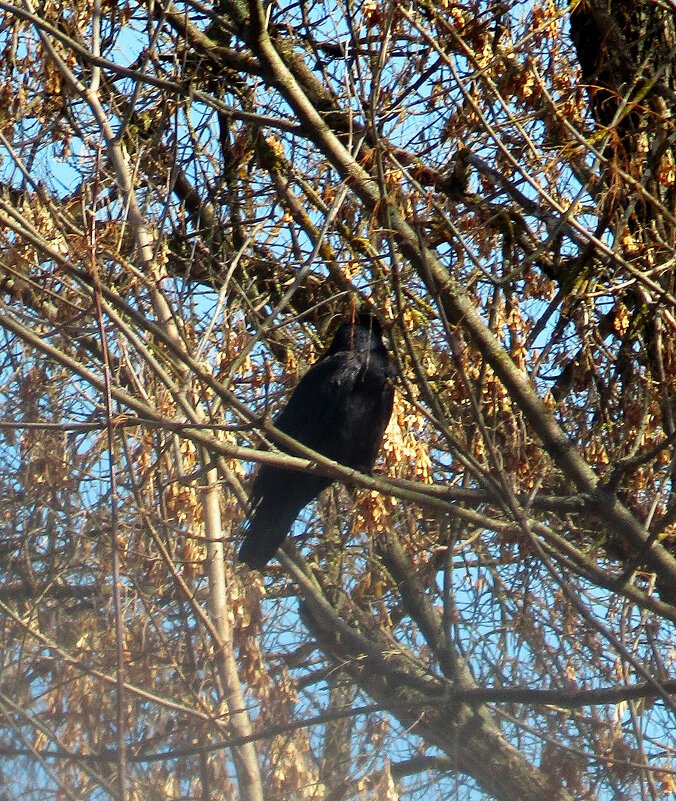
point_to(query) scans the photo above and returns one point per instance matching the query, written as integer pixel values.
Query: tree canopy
(192, 197)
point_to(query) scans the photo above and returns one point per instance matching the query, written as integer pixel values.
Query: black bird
(340, 409)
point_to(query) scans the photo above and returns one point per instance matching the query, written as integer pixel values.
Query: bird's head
(363, 333)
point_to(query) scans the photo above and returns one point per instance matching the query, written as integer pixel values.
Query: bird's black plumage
(340, 409)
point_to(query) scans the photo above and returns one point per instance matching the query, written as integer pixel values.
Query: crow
(340, 409)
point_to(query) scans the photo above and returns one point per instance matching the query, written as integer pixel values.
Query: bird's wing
(311, 412)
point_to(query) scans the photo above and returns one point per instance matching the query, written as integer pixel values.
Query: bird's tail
(265, 533)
